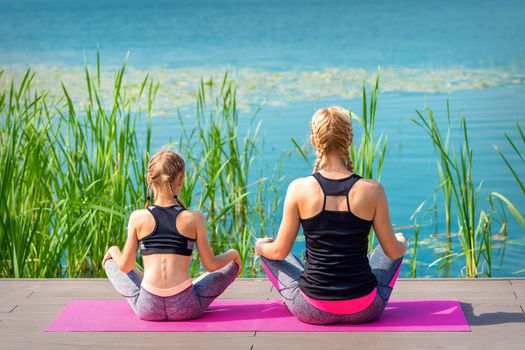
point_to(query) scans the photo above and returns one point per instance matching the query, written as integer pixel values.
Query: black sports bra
(165, 238)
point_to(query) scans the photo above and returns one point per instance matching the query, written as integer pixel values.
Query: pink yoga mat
(257, 315)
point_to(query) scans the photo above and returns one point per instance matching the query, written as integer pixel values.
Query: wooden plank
(494, 309)
(38, 308)
(484, 314)
(464, 296)
(248, 289)
(240, 289)
(195, 341)
(7, 307)
(17, 289)
(385, 340)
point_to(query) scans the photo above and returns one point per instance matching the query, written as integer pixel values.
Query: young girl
(166, 232)
(339, 282)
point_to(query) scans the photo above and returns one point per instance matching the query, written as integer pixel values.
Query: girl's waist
(167, 292)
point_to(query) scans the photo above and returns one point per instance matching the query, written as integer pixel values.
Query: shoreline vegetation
(73, 171)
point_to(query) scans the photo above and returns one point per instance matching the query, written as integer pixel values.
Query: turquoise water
(296, 56)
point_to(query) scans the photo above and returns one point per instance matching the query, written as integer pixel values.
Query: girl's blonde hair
(332, 131)
(164, 167)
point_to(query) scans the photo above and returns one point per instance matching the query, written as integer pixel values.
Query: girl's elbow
(210, 266)
(126, 268)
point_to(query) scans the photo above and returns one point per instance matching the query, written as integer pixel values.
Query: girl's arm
(125, 260)
(209, 260)
(279, 248)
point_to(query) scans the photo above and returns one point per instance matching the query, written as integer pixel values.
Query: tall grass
(370, 151)
(521, 154)
(70, 176)
(72, 173)
(455, 171)
(238, 203)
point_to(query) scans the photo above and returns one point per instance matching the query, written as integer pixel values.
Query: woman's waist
(340, 285)
(342, 306)
(336, 269)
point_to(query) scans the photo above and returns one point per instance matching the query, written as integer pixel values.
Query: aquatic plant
(455, 171)
(74, 169)
(369, 151)
(516, 148)
(237, 202)
(72, 174)
(70, 177)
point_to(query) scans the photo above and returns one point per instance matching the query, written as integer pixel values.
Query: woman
(166, 232)
(338, 283)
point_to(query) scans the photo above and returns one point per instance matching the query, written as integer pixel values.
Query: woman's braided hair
(332, 131)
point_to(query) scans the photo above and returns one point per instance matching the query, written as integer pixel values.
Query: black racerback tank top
(336, 266)
(165, 238)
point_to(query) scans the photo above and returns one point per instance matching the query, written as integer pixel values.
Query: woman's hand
(260, 242)
(401, 238)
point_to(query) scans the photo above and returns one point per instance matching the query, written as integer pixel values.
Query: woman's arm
(126, 260)
(394, 245)
(279, 248)
(209, 260)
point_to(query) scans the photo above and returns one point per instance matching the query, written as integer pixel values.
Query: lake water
(297, 56)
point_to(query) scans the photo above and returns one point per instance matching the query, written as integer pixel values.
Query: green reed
(73, 172)
(521, 154)
(70, 175)
(220, 164)
(455, 171)
(370, 151)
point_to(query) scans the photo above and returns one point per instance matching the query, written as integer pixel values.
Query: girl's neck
(165, 200)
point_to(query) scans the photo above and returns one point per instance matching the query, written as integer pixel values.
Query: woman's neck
(333, 165)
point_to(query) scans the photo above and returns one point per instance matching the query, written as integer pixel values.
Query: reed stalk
(455, 169)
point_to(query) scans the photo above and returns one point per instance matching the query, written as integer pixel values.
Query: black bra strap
(152, 211)
(319, 179)
(332, 187)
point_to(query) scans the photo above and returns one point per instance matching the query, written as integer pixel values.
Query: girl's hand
(238, 261)
(260, 242)
(107, 256)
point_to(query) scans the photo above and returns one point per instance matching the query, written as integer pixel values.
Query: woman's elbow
(278, 253)
(397, 253)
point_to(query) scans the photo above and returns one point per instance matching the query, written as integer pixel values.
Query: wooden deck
(493, 307)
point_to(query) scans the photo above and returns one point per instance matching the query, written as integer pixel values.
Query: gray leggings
(188, 304)
(287, 273)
